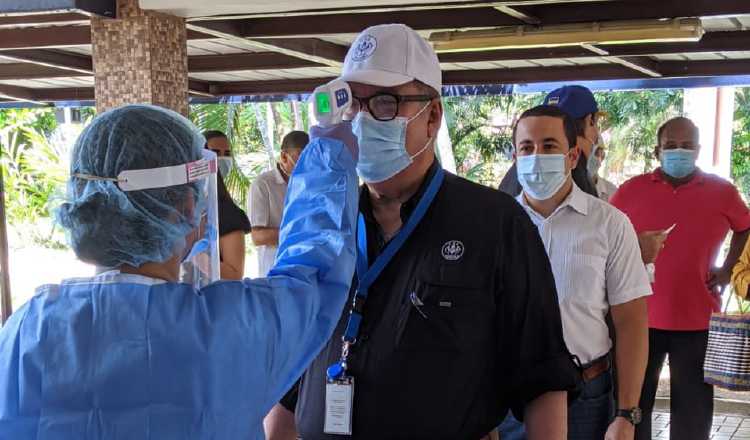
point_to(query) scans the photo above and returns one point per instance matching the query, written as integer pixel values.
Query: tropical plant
(33, 167)
(255, 131)
(480, 130)
(34, 160)
(741, 141)
(632, 118)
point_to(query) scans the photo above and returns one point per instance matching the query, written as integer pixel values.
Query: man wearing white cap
(453, 317)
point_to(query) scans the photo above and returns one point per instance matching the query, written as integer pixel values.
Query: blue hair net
(110, 227)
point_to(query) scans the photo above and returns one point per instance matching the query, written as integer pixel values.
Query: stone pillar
(140, 58)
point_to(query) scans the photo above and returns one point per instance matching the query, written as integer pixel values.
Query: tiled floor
(724, 428)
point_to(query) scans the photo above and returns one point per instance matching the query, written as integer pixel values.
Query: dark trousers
(589, 415)
(692, 400)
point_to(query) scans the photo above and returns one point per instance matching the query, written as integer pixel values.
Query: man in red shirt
(703, 208)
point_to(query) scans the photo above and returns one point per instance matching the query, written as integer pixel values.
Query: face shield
(200, 260)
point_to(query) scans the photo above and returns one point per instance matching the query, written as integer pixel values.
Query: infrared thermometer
(331, 101)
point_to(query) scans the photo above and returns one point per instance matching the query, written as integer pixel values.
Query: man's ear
(436, 118)
(574, 156)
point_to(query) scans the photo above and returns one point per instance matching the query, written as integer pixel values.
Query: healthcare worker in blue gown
(134, 353)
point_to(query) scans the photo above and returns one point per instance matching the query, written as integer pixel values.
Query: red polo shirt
(704, 209)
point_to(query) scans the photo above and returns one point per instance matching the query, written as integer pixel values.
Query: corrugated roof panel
(513, 64)
(81, 50)
(498, 65)
(214, 76)
(706, 56)
(216, 47)
(668, 57)
(342, 39)
(477, 65)
(194, 51)
(73, 82)
(549, 62)
(737, 55)
(78, 81)
(588, 60)
(718, 24)
(450, 66)
(292, 73)
(234, 47)
(249, 75)
(34, 83)
(315, 72)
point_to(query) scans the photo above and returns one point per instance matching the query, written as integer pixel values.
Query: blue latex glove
(341, 132)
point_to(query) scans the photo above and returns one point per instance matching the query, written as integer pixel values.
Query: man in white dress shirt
(596, 261)
(266, 201)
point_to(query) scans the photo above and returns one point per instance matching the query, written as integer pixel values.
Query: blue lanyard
(367, 276)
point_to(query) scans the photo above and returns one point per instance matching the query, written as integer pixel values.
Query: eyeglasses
(383, 106)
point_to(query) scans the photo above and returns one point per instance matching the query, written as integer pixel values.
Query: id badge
(339, 405)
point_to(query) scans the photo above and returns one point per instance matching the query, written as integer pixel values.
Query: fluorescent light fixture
(614, 32)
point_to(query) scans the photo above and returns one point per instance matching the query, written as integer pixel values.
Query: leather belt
(596, 369)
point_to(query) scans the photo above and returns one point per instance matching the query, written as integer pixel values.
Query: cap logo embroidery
(365, 48)
(453, 250)
(554, 101)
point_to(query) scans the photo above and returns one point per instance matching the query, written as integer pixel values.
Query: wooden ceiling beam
(246, 61)
(564, 13)
(512, 76)
(36, 20)
(50, 37)
(61, 60)
(20, 71)
(16, 93)
(352, 23)
(711, 42)
(229, 30)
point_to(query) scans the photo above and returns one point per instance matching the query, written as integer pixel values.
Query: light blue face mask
(203, 244)
(225, 165)
(382, 146)
(593, 165)
(678, 163)
(541, 175)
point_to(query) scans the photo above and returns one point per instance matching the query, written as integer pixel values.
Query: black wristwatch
(632, 415)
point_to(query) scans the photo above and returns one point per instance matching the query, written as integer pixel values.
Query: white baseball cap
(390, 55)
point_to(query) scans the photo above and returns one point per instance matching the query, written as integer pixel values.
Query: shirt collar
(278, 175)
(576, 200)
(698, 178)
(407, 208)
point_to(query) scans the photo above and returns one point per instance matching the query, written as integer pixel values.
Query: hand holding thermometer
(331, 101)
(669, 229)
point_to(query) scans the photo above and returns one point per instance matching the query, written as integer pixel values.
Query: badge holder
(339, 397)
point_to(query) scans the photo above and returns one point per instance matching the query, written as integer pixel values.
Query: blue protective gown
(122, 356)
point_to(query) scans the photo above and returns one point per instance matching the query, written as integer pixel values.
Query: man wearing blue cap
(580, 104)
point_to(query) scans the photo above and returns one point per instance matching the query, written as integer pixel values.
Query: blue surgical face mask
(382, 146)
(202, 245)
(593, 164)
(541, 175)
(678, 163)
(225, 165)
